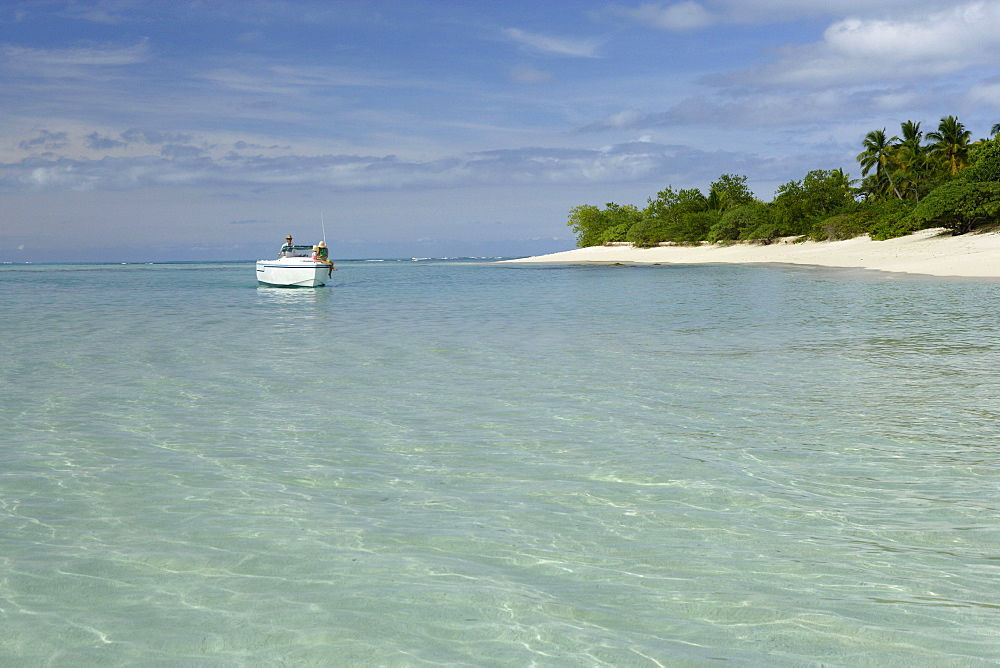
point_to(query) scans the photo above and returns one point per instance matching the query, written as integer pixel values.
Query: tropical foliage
(909, 182)
(960, 206)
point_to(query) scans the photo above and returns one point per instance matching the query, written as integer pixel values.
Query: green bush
(892, 228)
(615, 233)
(890, 218)
(727, 228)
(839, 227)
(799, 205)
(733, 222)
(959, 206)
(880, 219)
(594, 226)
(760, 224)
(984, 162)
(647, 233)
(691, 227)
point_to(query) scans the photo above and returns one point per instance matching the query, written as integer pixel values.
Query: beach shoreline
(932, 252)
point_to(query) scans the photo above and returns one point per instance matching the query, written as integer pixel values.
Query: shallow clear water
(433, 463)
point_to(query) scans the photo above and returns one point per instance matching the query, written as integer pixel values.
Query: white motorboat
(293, 268)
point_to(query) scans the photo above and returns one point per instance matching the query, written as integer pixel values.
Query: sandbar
(932, 252)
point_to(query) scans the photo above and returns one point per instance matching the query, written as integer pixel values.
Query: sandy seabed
(933, 252)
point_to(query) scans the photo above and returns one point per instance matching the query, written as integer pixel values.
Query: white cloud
(692, 14)
(629, 118)
(774, 109)
(961, 34)
(986, 94)
(858, 51)
(687, 15)
(184, 166)
(776, 11)
(580, 48)
(898, 99)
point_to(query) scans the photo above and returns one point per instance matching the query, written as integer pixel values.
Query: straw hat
(322, 244)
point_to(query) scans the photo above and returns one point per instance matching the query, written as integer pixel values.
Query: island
(927, 203)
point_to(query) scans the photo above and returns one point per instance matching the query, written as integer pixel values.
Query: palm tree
(844, 182)
(995, 130)
(951, 143)
(910, 157)
(878, 154)
(911, 133)
(915, 173)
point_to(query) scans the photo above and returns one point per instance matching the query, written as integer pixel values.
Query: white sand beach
(931, 252)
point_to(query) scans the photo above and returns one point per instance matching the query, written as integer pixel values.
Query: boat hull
(292, 273)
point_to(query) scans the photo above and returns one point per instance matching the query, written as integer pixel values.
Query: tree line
(909, 182)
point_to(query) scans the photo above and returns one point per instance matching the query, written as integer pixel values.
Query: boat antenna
(323, 224)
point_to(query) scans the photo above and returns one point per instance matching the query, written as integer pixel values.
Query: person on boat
(322, 254)
(286, 250)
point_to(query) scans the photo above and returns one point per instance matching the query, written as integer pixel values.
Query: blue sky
(208, 129)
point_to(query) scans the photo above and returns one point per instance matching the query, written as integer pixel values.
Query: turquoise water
(446, 463)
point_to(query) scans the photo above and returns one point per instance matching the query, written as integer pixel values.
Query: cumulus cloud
(966, 34)
(883, 61)
(858, 51)
(560, 46)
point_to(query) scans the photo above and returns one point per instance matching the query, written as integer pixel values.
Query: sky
(190, 130)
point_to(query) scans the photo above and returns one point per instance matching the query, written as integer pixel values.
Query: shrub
(984, 162)
(959, 206)
(880, 219)
(647, 233)
(593, 226)
(890, 218)
(761, 225)
(798, 205)
(840, 226)
(894, 227)
(691, 227)
(734, 222)
(615, 233)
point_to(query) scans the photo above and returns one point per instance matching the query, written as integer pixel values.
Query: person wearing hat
(322, 254)
(286, 250)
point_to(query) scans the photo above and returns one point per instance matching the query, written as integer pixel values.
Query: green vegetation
(909, 182)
